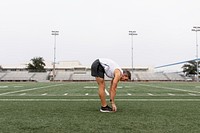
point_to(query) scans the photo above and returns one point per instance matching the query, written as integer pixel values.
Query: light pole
(55, 33)
(131, 33)
(196, 29)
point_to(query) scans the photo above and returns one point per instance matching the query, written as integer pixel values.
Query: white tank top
(109, 67)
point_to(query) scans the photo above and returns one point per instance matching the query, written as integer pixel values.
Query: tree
(190, 68)
(37, 65)
(1, 68)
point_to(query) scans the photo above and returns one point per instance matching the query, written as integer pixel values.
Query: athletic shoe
(106, 109)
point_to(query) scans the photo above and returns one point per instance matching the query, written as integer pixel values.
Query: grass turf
(84, 116)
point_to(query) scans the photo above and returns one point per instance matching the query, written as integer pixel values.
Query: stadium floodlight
(132, 33)
(55, 33)
(196, 29)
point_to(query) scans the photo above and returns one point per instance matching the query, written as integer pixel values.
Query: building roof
(49, 65)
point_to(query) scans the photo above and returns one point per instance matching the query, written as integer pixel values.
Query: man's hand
(114, 107)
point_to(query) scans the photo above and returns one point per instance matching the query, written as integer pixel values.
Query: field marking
(90, 87)
(22, 94)
(18, 86)
(3, 86)
(107, 93)
(191, 94)
(170, 94)
(150, 94)
(86, 100)
(169, 88)
(128, 86)
(12, 92)
(119, 87)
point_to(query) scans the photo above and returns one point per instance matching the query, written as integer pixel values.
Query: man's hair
(127, 73)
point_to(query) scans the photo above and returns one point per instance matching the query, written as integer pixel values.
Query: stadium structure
(75, 71)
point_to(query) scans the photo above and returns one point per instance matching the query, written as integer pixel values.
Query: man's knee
(100, 82)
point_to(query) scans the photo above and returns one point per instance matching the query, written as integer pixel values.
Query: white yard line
(18, 86)
(3, 86)
(25, 90)
(170, 94)
(157, 100)
(90, 87)
(191, 94)
(107, 93)
(128, 86)
(119, 87)
(84, 100)
(169, 88)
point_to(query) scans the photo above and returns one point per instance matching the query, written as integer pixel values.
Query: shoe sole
(105, 111)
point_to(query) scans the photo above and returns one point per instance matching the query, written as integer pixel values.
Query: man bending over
(112, 70)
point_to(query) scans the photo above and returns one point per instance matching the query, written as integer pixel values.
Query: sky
(91, 29)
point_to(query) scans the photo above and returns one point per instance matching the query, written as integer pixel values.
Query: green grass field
(73, 107)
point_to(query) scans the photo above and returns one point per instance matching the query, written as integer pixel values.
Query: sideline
(95, 100)
(25, 90)
(169, 88)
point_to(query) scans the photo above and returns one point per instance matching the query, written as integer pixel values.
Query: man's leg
(102, 95)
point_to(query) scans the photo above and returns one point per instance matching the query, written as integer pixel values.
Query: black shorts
(97, 69)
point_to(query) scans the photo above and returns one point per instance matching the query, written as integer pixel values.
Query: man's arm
(113, 88)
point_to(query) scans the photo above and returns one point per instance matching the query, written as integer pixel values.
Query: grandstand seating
(2, 74)
(74, 71)
(40, 76)
(174, 77)
(87, 76)
(74, 75)
(134, 76)
(148, 76)
(63, 75)
(17, 76)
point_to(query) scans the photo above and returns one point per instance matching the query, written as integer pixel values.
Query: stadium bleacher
(24, 76)
(17, 76)
(74, 71)
(175, 77)
(149, 76)
(84, 76)
(40, 76)
(2, 75)
(63, 76)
